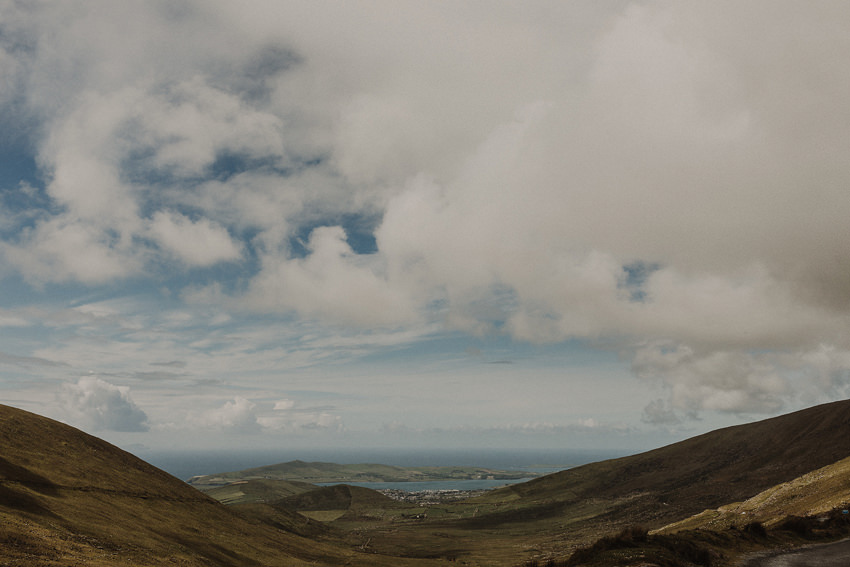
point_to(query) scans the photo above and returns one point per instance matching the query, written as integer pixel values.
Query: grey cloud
(658, 412)
(253, 77)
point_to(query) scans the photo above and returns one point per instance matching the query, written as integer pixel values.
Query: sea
(187, 464)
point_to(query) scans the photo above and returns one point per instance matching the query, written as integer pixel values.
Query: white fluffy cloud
(96, 404)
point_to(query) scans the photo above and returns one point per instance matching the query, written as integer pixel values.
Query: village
(430, 497)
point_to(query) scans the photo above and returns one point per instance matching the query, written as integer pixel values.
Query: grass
(260, 490)
(324, 515)
(66, 498)
(811, 494)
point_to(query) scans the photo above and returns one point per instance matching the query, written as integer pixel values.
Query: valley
(68, 497)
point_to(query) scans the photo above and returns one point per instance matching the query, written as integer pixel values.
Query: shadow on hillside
(20, 499)
(219, 554)
(22, 502)
(16, 473)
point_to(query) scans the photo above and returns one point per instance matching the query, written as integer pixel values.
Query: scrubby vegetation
(702, 548)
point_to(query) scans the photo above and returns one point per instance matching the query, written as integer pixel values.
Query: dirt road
(827, 555)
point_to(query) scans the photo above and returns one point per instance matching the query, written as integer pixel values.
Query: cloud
(237, 416)
(658, 412)
(171, 364)
(331, 283)
(97, 404)
(519, 162)
(27, 361)
(200, 243)
(155, 376)
(59, 250)
(193, 123)
(726, 381)
(283, 405)
(826, 371)
(289, 416)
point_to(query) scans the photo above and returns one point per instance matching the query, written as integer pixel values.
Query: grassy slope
(259, 490)
(812, 494)
(69, 498)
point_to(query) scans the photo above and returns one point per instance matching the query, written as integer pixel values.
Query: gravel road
(827, 555)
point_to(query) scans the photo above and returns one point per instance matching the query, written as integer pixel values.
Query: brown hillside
(716, 468)
(68, 498)
(815, 493)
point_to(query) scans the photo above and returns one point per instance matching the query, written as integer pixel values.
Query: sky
(310, 224)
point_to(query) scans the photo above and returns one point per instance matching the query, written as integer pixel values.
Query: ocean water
(186, 464)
